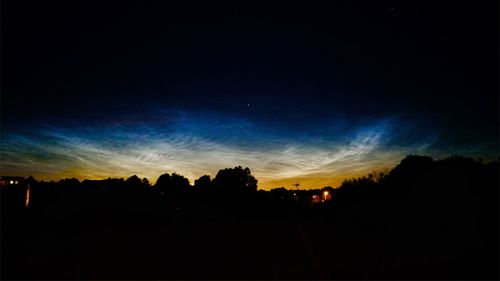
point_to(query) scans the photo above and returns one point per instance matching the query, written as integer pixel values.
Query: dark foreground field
(157, 238)
(426, 219)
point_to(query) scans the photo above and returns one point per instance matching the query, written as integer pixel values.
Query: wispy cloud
(197, 144)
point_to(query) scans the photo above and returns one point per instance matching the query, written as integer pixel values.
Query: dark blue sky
(251, 80)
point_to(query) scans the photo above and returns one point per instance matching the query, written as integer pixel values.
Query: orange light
(27, 196)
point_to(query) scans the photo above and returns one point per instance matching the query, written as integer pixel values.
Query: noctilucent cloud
(194, 144)
(299, 93)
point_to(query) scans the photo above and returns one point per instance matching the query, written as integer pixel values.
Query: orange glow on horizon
(305, 182)
(264, 183)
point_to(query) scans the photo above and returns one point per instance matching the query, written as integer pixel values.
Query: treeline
(455, 182)
(235, 179)
(428, 218)
(132, 192)
(455, 197)
(423, 219)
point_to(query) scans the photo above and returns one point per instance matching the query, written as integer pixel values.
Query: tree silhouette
(174, 183)
(134, 181)
(163, 181)
(145, 182)
(203, 183)
(235, 180)
(179, 182)
(412, 167)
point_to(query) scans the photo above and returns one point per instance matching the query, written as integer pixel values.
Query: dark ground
(148, 237)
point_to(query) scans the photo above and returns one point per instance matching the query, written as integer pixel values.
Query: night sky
(299, 92)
